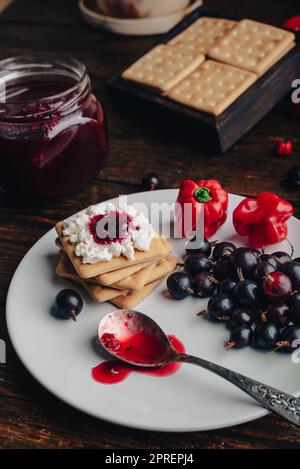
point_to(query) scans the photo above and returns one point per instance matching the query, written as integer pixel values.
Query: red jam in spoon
(140, 347)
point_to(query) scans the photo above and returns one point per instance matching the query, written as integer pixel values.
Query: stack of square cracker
(122, 282)
(212, 62)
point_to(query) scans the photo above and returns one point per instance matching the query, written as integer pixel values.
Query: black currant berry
(227, 286)
(223, 250)
(219, 307)
(294, 304)
(224, 270)
(293, 178)
(150, 182)
(281, 257)
(289, 339)
(246, 260)
(242, 317)
(68, 304)
(179, 285)
(278, 313)
(204, 285)
(268, 258)
(263, 269)
(196, 263)
(292, 271)
(277, 286)
(248, 294)
(266, 336)
(196, 245)
(240, 337)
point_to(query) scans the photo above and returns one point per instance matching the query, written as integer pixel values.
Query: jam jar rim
(15, 67)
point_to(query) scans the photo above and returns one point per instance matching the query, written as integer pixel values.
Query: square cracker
(163, 267)
(149, 274)
(105, 279)
(163, 67)
(99, 294)
(65, 269)
(129, 278)
(283, 54)
(136, 281)
(134, 298)
(159, 273)
(125, 276)
(116, 276)
(92, 270)
(203, 34)
(213, 87)
(252, 46)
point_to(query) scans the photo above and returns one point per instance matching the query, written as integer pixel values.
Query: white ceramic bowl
(139, 8)
(135, 27)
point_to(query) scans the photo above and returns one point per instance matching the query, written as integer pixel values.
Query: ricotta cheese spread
(101, 233)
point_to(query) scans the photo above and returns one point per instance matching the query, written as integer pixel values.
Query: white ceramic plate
(135, 27)
(60, 354)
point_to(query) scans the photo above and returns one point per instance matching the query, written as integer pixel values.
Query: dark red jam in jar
(53, 135)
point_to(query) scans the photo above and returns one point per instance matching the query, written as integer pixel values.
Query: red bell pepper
(263, 219)
(193, 198)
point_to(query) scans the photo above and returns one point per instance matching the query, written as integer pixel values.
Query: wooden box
(213, 132)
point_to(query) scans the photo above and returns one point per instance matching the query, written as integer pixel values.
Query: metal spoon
(121, 326)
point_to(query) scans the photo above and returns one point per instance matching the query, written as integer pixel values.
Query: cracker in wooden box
(203, 34)
(213, 87)
(252, 46)
(163, 67)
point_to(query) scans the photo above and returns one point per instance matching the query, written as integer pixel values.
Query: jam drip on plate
(115, 371)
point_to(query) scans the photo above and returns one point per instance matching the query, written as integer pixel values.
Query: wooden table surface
(30, 417)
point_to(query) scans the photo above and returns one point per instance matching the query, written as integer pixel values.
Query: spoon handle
(272, 399)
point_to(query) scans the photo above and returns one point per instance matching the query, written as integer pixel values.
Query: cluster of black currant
(256, 294)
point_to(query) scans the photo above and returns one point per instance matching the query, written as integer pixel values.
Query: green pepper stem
(202, 194)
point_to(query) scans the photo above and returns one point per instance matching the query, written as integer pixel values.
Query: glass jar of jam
(53, 136)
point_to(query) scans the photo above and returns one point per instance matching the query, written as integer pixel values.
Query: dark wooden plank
(29, 416)
(42, 12)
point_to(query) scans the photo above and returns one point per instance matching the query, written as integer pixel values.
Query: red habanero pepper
(193, 197)
(263, 219)
(284, 147)
(293, 23)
